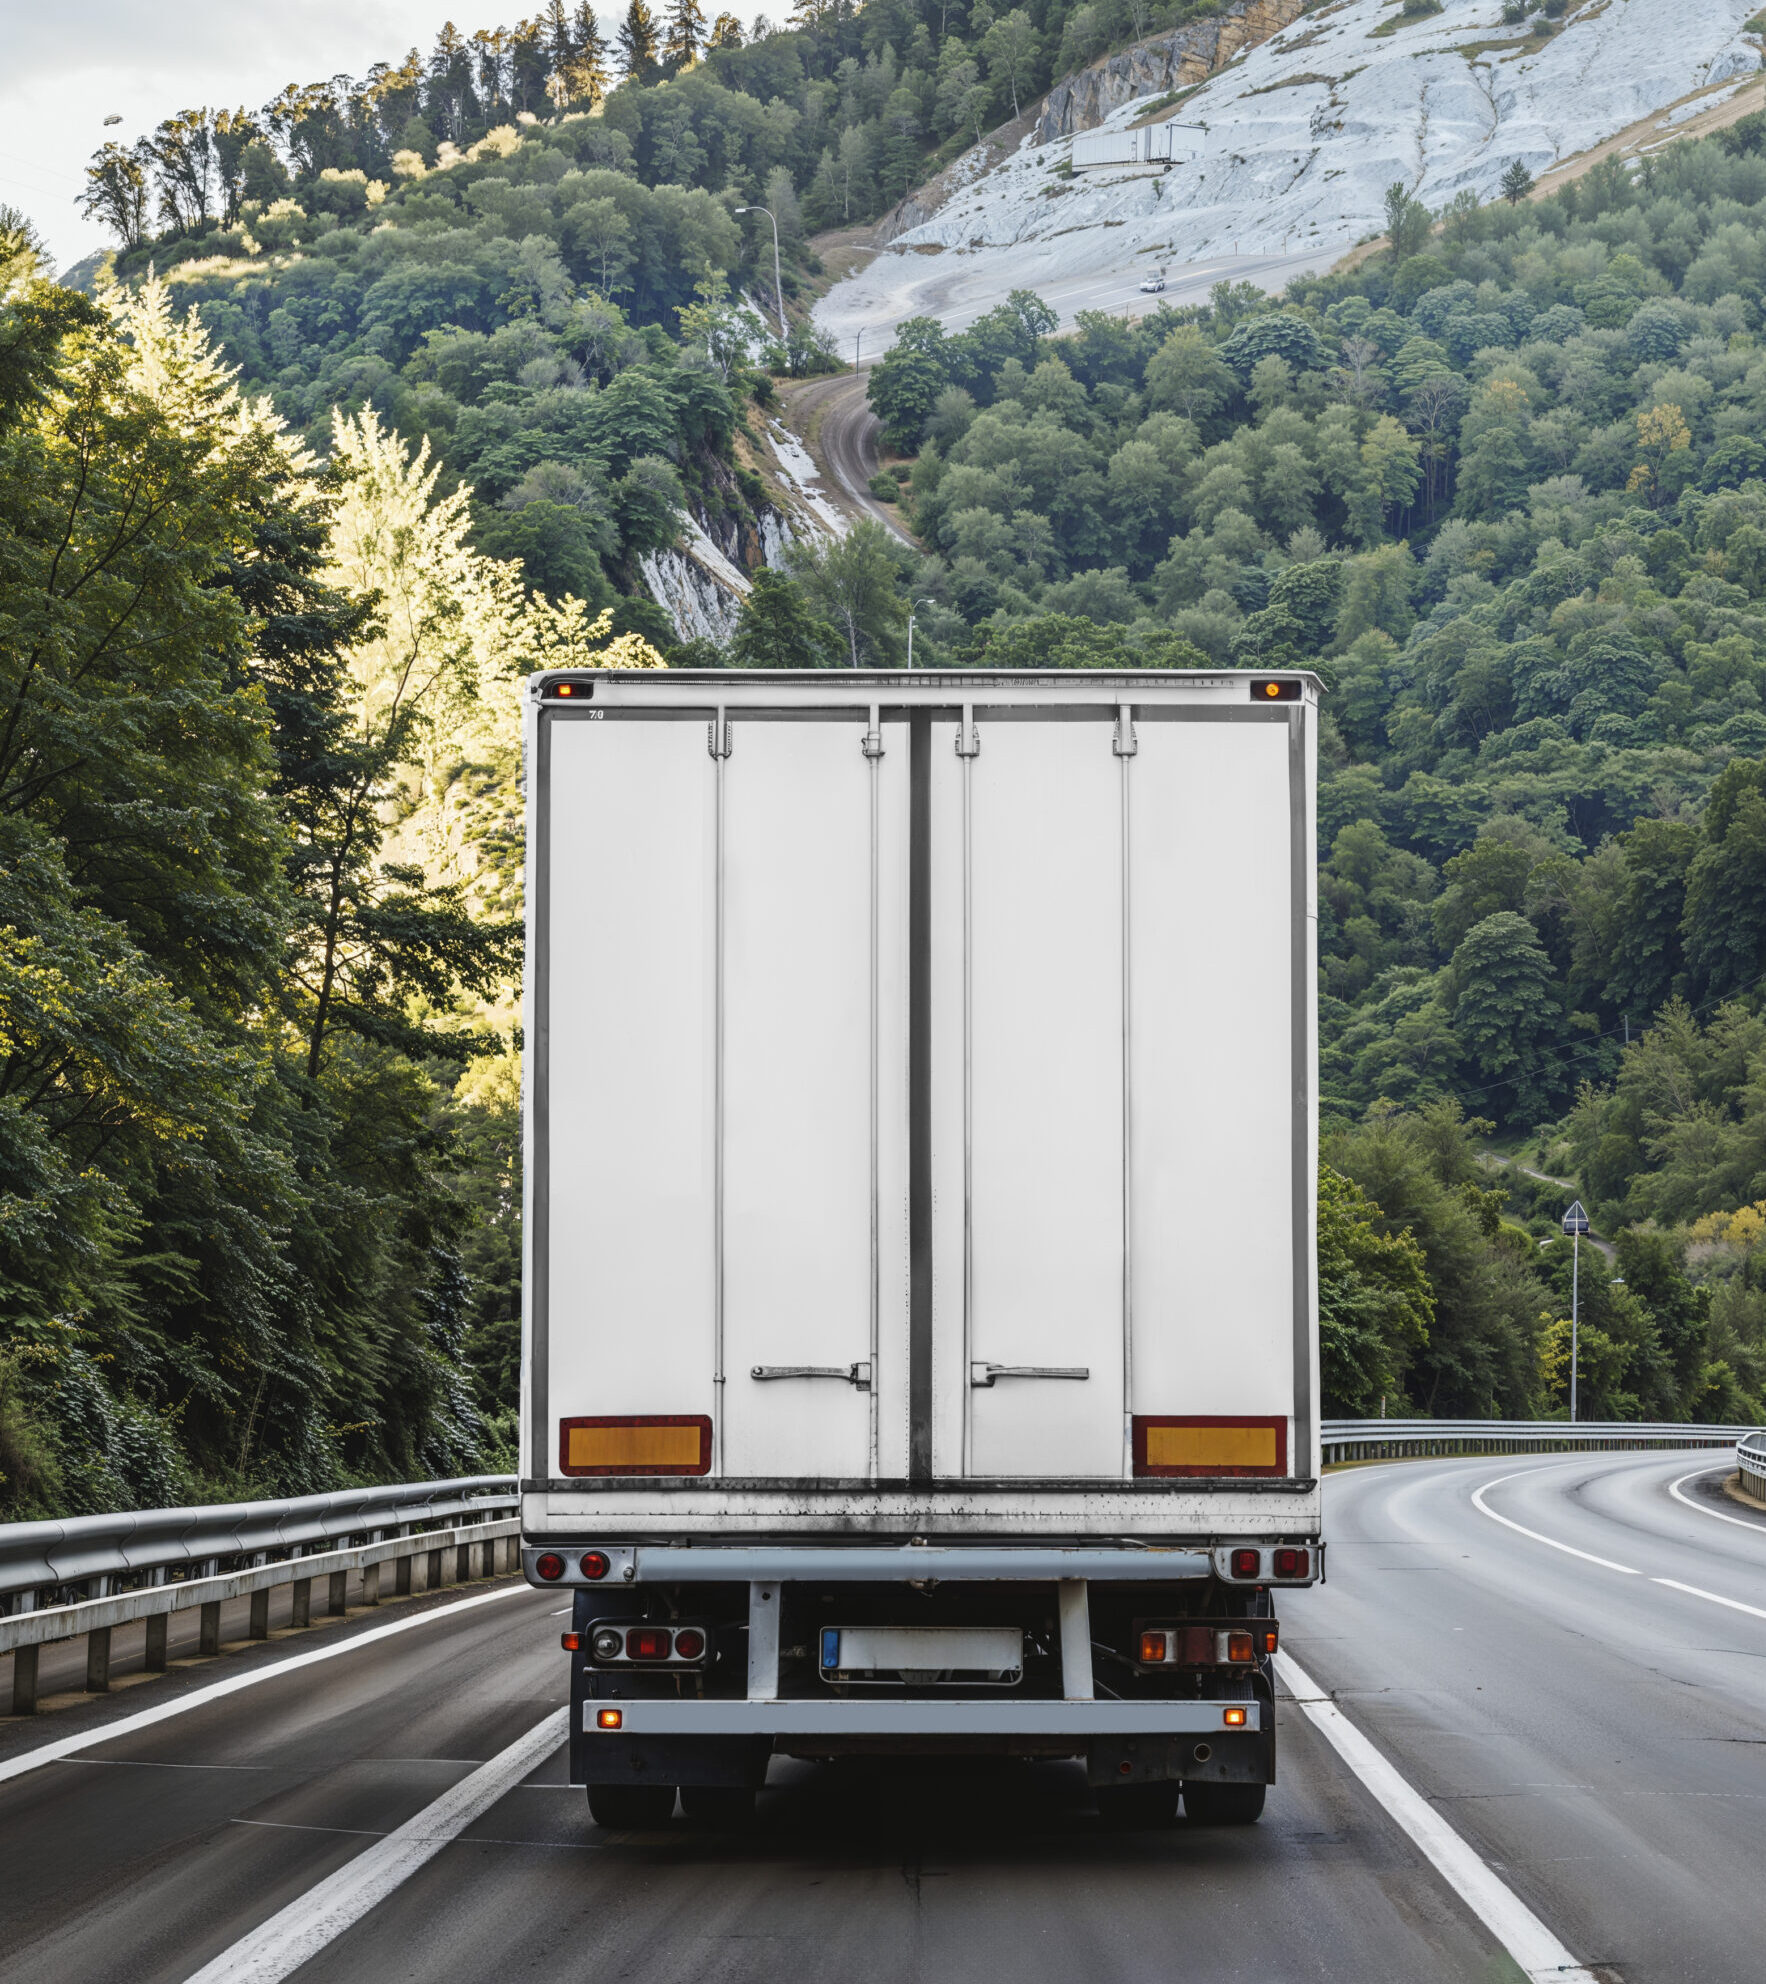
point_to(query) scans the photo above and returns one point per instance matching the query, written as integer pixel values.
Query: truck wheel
(723, 1806)
(1137, 1807)
(1224, 1804)
(631, 1807)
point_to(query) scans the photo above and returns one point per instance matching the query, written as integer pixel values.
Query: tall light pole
(911, 605)
(778, 285)
(1575, 1225)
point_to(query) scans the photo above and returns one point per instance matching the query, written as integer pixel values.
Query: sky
(68, 64)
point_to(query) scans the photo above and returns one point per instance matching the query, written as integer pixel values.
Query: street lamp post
(1575, 1225)
(911, 605)
(778, 285)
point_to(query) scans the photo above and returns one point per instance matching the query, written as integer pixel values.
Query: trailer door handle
(985, 1374)
(858, 1375)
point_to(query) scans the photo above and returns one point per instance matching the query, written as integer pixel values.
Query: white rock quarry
(1303, 136)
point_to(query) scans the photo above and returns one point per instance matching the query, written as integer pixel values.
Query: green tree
(777, 627)
(854, 583)
(1517, 182)
(636, 43)
(1374, 1301)
(1508, 1014)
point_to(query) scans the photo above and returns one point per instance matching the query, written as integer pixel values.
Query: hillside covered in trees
(1501, 485)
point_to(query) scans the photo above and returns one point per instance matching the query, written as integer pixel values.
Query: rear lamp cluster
(594, 1565)
(681, 1646)
(1208, 1645)
(1287, 1564)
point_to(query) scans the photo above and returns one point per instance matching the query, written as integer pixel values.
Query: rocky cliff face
(1174, 61)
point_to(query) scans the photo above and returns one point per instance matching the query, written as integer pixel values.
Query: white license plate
(922, 1654)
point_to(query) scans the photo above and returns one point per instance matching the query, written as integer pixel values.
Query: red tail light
(571, 1642)
(550, 1567)
(689, 1643)
(595, 1564)
(1293, 1563)
(648, 1643)
(1247, 1563)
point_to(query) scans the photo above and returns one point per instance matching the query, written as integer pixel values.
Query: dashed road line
(298, 1932)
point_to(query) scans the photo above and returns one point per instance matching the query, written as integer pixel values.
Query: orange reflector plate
(650, 1445)
(610, 1718)
(1210, 1446)
(1234, 1718)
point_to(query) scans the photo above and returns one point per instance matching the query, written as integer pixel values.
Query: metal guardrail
(90, 1574)
(1750, 1460)
(1394, 1439)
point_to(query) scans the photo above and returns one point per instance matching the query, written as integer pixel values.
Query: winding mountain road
(1565, 1656)
(833, 418)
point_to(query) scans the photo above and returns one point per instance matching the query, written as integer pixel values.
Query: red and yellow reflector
(1233, 1718)
(610, 1718)
(1210, 1446)
(1152, 1648)
(651, 1444)
(1265, 691)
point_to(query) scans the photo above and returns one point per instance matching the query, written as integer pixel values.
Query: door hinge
(872, 741)
(985, 1374)
(968, 740)
(1125, 743)
(711, 737)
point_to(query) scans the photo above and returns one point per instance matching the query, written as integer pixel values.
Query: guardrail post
(401, 1577)
(209, 1634)
(336, 1586)
(301, 1603)
(98, 1661)
(154, 1659)
(371, 1584)
(432, 1576)
(260, 1614)
(487, 1560)
(24, 1680)
(463, 1564)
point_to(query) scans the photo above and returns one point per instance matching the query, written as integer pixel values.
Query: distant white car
(1152, 286)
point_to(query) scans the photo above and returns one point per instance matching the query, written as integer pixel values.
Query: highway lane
(1597, 1735)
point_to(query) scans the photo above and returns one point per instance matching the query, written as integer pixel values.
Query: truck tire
(1137, 1807)
(725, 1807)
(631, 1807)
(1224, 1804)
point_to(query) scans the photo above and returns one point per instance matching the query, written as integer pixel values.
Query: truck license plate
(923, 1655)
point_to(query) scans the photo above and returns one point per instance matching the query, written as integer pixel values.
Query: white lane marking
(1540, 1955)
(1693, 1591)
(67, 1746)
(295, 1934)
(1717, 1515)
(1587, 1556)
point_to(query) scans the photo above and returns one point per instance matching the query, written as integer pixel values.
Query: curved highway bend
(1583, 1704)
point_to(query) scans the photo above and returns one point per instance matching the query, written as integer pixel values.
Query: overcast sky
(65, 65)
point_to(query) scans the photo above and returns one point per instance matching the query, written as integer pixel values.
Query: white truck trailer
(920, 1346)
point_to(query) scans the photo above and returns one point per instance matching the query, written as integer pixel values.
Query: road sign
(1576, 1220)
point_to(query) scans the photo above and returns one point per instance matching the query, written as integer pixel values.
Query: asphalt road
(1598, 1735)
(840, 430)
